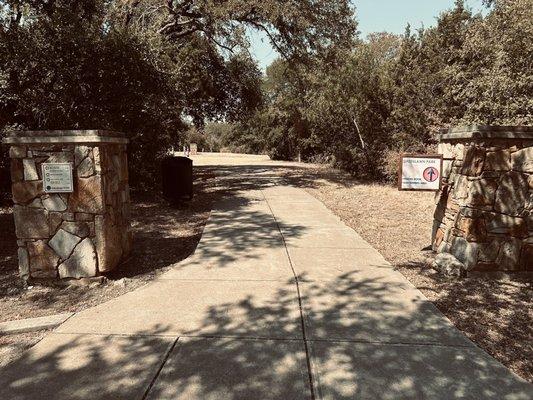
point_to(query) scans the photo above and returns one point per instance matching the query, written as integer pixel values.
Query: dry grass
(163, 236)
(11, 346)
(496, 314)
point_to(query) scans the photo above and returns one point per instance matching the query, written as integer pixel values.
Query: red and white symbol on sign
(431, 174)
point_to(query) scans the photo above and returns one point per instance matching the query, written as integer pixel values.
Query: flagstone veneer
(71, 235)
(484, 214)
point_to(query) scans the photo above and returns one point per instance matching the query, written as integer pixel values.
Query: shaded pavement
(279, 301)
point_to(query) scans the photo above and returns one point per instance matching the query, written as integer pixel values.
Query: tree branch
(210, 37)
(272, 40)
(178, 35)
(129, 14)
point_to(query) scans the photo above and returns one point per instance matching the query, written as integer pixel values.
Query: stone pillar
(70, 235)
(484, 214)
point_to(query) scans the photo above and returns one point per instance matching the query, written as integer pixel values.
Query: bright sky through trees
(377, 16)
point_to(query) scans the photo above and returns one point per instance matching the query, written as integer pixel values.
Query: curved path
(280, 301)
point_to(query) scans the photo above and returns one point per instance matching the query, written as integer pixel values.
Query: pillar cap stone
(486, 132)
(65, 137)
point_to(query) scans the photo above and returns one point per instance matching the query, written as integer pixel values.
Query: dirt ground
(496, 314)
(163, 236)
(11, 346)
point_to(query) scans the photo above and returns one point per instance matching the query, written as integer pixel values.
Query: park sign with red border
(420, 172)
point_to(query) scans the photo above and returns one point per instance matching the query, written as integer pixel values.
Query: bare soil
(164, 234)
(11, 346)
(496, 314)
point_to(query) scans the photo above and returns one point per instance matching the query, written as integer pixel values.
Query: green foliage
(335, 109)
(213, 137)
(360, 107)
(500, 64)
(298, 29)
(410, 95)
(352, 105)
(155, 68)
(146, 66)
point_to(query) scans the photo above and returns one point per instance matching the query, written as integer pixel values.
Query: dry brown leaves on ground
(496, 314)
(164, 235)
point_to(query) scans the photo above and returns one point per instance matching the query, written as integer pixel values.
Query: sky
(377, 16)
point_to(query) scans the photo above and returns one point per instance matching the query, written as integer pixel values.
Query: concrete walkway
(280, 301)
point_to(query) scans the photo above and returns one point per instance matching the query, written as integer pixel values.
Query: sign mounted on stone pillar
(57, 178)
(81, 234)
(420, 172)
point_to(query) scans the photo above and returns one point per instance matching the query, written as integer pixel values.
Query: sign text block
(57, 178)
(420, 172)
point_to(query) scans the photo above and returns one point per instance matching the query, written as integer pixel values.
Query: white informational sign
(57, 178)
(420, 172)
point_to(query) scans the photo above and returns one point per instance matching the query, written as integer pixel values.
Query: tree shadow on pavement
(494, 313)
(368, 336)
(410, 356)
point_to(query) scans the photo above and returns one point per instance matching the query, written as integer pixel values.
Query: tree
(334, 108)
(411, 95)
(107, 76)
(443, 62)
(349, 106)
(430, 77)
(497, 53)
(146, 66)
(298, 29)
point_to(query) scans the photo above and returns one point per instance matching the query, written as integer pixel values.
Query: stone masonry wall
(71, 235)
(484, 214)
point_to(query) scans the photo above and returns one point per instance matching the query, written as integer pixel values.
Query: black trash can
(177, 178)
